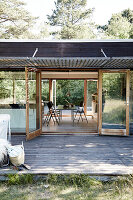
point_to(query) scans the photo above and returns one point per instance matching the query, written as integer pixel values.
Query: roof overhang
(67, 62)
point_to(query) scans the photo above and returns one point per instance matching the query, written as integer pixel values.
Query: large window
(114, 101)
(12, 98)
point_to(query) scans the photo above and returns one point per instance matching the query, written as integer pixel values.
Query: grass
(114, 112)
(67, 187)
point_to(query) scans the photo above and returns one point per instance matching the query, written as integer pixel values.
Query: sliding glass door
(114, 102)
(33, 104)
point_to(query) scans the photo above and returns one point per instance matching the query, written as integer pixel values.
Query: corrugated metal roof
(67, 62)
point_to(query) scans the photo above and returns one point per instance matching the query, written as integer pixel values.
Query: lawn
(114, 112)
(68, 187)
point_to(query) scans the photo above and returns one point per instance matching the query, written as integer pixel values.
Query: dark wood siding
(66, 49)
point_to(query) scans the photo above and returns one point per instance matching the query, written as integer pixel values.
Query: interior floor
(66, 125)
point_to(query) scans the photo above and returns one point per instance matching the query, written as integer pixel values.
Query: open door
(33, 104)
(114, 102)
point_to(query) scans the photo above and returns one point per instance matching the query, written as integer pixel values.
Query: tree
(73, 19)
(128, 14)
(44, 31)
(15, 21)
(120, 26)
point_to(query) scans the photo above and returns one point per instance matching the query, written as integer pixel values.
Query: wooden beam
(70, 75)
(121, 132)
(114, 71)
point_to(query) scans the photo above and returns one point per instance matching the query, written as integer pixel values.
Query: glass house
(31, 72)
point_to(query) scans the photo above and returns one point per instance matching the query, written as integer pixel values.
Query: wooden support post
(85, 96)
(97, 100)
(27, 102)
(127, 101)
(100, 101)
(37, 100)
(50, 90)
(41, 101)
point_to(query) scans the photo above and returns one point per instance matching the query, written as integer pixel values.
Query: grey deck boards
(89, 154)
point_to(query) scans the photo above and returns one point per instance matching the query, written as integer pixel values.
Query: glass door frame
(100, 73)
(85, 100)
(37, 132)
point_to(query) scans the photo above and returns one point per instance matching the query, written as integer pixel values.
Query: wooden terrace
(90, 154)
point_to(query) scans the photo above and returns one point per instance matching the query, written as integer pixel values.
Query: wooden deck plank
(91, 154)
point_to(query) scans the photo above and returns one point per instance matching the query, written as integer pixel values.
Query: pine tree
(73, 19)
(120, 26)
(15, 20)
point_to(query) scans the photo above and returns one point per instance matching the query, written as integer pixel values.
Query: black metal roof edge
(39, 58)
(66, 41)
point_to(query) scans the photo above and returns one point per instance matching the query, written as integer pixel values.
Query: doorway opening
(67, 96)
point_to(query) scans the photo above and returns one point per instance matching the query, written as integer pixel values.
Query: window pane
(114, 101)
(12, 98)
(34, 102)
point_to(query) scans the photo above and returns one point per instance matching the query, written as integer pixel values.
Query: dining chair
(51, 114)
(80, 112)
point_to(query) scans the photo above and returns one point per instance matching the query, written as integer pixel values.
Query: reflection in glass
(114, 101)
(12, 99)
(34, 101)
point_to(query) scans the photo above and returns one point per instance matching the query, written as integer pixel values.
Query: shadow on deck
(90, 154)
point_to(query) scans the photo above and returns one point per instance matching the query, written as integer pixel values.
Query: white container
(16, 155)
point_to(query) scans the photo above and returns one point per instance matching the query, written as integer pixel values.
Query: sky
(103, 8)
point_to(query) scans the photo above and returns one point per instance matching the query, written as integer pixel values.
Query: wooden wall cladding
(67, 49)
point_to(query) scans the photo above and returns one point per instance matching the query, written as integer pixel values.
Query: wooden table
(72, 109)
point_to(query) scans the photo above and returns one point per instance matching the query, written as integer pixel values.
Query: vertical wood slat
(100, 101)
(127, 101)
(50, 90)
(85, 96)
(27, 103)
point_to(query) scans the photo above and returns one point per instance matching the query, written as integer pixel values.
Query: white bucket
(16, 155)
